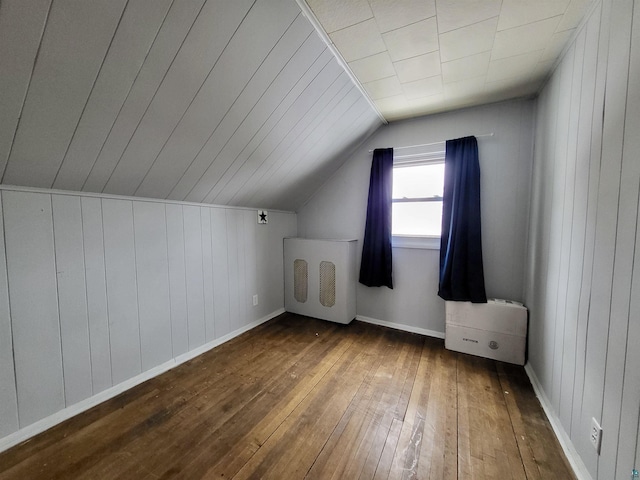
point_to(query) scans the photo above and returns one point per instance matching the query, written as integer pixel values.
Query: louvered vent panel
(300, 280)
(327, 284)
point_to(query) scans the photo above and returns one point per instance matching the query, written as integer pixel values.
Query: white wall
(95, 291)
(583, 283)
(338, 211)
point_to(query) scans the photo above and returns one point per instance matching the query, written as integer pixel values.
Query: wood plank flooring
(301, 398)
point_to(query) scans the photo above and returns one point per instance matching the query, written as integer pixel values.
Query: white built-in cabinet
(320, 278)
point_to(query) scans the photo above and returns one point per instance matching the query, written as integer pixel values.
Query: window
(417, 201)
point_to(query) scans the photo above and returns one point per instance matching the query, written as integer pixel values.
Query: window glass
(418, 180)
(417, 199)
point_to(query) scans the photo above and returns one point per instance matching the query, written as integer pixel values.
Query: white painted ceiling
(242, 102)
(416, 57)
(217, 101)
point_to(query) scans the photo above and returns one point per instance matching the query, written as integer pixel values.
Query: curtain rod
(434, 143)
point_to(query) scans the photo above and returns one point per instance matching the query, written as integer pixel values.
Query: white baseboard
(46, 423)
(579, 468)
(400, 326)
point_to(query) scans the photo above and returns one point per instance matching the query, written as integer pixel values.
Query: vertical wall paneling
(96, 288)
(22, 23)
(177, 279)
(630, 408)
(575, 56)
(193, 268)
(597, 28)
(580, 180)
(593, 262)
(34, 304)
(122, 298)
(251, 284)
(234, 270)
(243, 294)
(152, 273)
(207, 275)
(8, 399)
(98, 291)
(560, 171)
(220, 271)
(72, 297)
(606, 222)
(627, 204)
(586, 174)
(557, 150)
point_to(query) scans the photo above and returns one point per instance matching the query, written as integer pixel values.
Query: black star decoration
(262, 216)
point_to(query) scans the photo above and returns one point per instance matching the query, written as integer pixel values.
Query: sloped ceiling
(245, 102)
(226, 102)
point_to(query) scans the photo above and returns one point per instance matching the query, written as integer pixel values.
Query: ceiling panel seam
(254, 178)
(124, 101)
(194, 96)
(93, 85)
(270, 117)
(244, 120)
(317, 118)
(213, 191)
(26, 93)
(223, 117)
(153, 96)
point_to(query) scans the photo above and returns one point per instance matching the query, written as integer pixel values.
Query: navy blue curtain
(375, 268)
(461, 271)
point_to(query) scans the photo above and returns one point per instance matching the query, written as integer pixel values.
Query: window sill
(407, 241)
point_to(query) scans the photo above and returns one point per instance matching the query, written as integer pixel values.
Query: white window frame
(425, 242)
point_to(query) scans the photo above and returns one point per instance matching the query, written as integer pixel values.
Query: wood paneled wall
(96, 290)
(583, 281)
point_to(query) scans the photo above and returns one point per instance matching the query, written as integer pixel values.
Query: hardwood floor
(302, 398)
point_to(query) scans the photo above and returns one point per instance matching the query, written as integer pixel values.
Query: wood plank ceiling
(227, 102)
(243, 102)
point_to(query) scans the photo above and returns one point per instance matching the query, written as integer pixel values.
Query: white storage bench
(496, 329)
